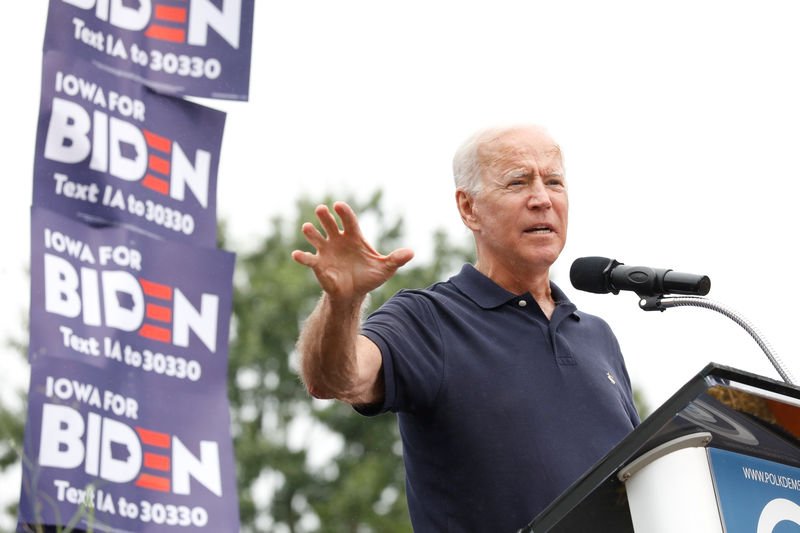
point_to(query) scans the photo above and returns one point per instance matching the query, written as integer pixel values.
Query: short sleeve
(406, 330)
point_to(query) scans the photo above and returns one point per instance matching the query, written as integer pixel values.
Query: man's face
(520, 216)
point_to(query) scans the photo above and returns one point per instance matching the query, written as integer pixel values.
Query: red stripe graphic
(153, 482)
(156, 184)
(163, 33)
(156, 462)
(162, 144)
(159, 164)
(153, 438)
(156, 290)
(155, 333)
(170, 14)
(158, 312)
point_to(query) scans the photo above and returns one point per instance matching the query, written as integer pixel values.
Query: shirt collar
(489, 295)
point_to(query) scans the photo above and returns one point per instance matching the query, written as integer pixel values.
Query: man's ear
(466, 207)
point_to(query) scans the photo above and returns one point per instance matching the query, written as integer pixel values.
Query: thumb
(399, 258)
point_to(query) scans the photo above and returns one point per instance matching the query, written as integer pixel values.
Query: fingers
(348, 216)
(313, 236)
(336, 241)
(399, 258)
(304, 258)
(327, 221)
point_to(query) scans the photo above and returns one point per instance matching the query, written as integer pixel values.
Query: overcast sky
(678, 121)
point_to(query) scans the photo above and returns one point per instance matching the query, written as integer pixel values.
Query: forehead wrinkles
(502, 154)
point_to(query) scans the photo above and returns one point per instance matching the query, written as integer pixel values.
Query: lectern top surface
(745, 413)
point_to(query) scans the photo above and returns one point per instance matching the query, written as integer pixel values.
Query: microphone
(601, 275)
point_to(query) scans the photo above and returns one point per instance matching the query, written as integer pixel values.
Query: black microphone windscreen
(590, 274)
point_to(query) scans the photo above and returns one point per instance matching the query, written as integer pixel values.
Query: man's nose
(538, 196)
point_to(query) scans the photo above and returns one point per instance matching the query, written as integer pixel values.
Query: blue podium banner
(755, 495)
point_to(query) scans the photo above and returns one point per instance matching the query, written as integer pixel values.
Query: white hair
(467, 167)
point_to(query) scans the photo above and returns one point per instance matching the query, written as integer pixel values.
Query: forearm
(335, 362)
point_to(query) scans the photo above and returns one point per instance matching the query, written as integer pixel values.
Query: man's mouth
(539, 230)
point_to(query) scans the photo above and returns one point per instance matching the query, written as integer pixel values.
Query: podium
(721, 455)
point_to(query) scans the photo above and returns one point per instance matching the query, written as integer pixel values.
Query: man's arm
(337, 362)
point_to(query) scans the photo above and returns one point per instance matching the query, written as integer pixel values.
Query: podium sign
(756, 495)
(754, 427)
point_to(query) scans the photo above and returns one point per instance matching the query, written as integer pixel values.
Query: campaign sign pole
(109, 150)
(128, 425)
(184, 48)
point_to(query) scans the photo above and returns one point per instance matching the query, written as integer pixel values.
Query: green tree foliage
(12, 427)
(642, 405)
(279, 431)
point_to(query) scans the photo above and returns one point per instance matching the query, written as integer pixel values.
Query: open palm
(345, 264)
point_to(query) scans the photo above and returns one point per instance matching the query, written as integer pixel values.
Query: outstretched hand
(345, 264)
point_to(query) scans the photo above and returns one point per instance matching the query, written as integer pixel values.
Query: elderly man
(505, 392)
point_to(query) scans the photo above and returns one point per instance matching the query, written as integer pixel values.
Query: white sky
(679, 124)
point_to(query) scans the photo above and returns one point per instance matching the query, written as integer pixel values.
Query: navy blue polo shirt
(500, 409)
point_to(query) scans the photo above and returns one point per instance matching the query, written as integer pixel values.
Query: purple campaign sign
(180, 47)
(109, 150)
(115, 450)
(117, 300)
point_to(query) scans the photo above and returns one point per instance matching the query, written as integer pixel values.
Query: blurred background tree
(12, 427)
(306, 464)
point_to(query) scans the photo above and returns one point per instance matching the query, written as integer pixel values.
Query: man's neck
(536, 282)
